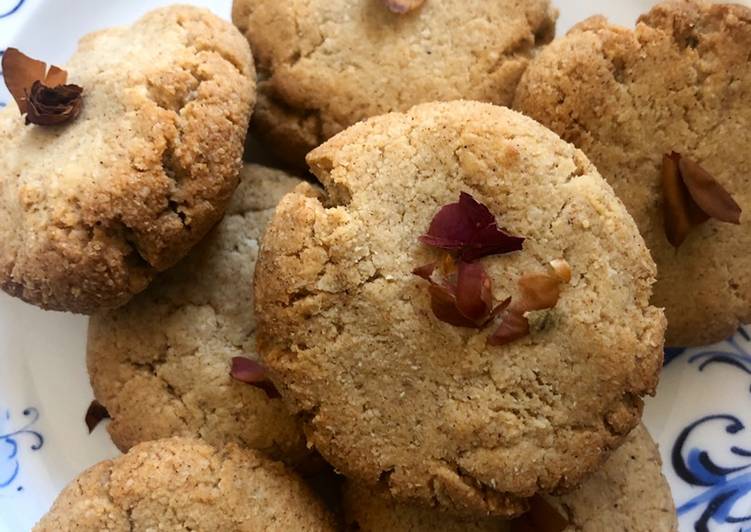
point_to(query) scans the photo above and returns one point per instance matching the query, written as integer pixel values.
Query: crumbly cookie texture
(90, 211)
(160, 364)
(681, 81)
(628, 493)
(185, 484)
(391, 394)
(324, 65)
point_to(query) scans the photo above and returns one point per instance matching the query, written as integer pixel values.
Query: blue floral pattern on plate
(720, 466)
(12, 441)
(10, 7)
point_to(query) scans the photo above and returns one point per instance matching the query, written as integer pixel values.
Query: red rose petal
(474, 292)
(251, 372)
(443, 304)
(469, 229)
(512, 327)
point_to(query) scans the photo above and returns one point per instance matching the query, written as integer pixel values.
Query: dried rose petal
(691, 197)
(709, 195)
(561, 269)
(53, 106)
(681, 212)
(40, 94)
(443, 301)
(542, 517)
(95, 414)
(444, 307)
(464, 299)
(513, 326)
(426, 271)
(402, 6)
(474, 292)
(20, 72)
(251, 372)
(538, 291)
(469, 229)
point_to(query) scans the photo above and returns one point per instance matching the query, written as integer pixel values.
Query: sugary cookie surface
(323, 65)
(679, 82)
(391, 393)
(161, 364)
(92, 209)
(185, 484)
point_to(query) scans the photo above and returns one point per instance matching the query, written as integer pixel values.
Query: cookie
(91, 210)
(680, 81)
(185, 484)
(161, 364)
(325, 65)
(629, 493)
(390, 393)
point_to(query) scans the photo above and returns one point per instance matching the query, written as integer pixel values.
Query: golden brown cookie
(91, 210)
(389, 392)
(185, 484)
(679, 82)
(628, 494)
(324, 65)
(161, 363)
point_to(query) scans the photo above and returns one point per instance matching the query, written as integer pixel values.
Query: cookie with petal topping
(628, 493)
(390, 391)
(185, 484)
(324, 65)
(633, 100)
(91, 210)
(161, 364)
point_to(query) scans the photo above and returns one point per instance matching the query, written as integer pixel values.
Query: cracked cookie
(185, 484)
(161, 363)
(91, 210)
(324, 65)
(679, 82)
(389, 393)
(628, 493)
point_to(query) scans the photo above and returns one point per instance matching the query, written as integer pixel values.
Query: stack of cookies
(426, 311)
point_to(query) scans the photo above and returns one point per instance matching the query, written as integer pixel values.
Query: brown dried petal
(691, 197)
(55, 76)
(542, 517)
(709, 195)
(426, 271)
(20, 72)
(251, 372)
(95, 414)
(513, 326)
(402, 6)
(681, 212)
(538, 291)
(561, 269)
(53, 106)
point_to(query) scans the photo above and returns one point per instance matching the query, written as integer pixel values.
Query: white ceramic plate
(699, 416)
